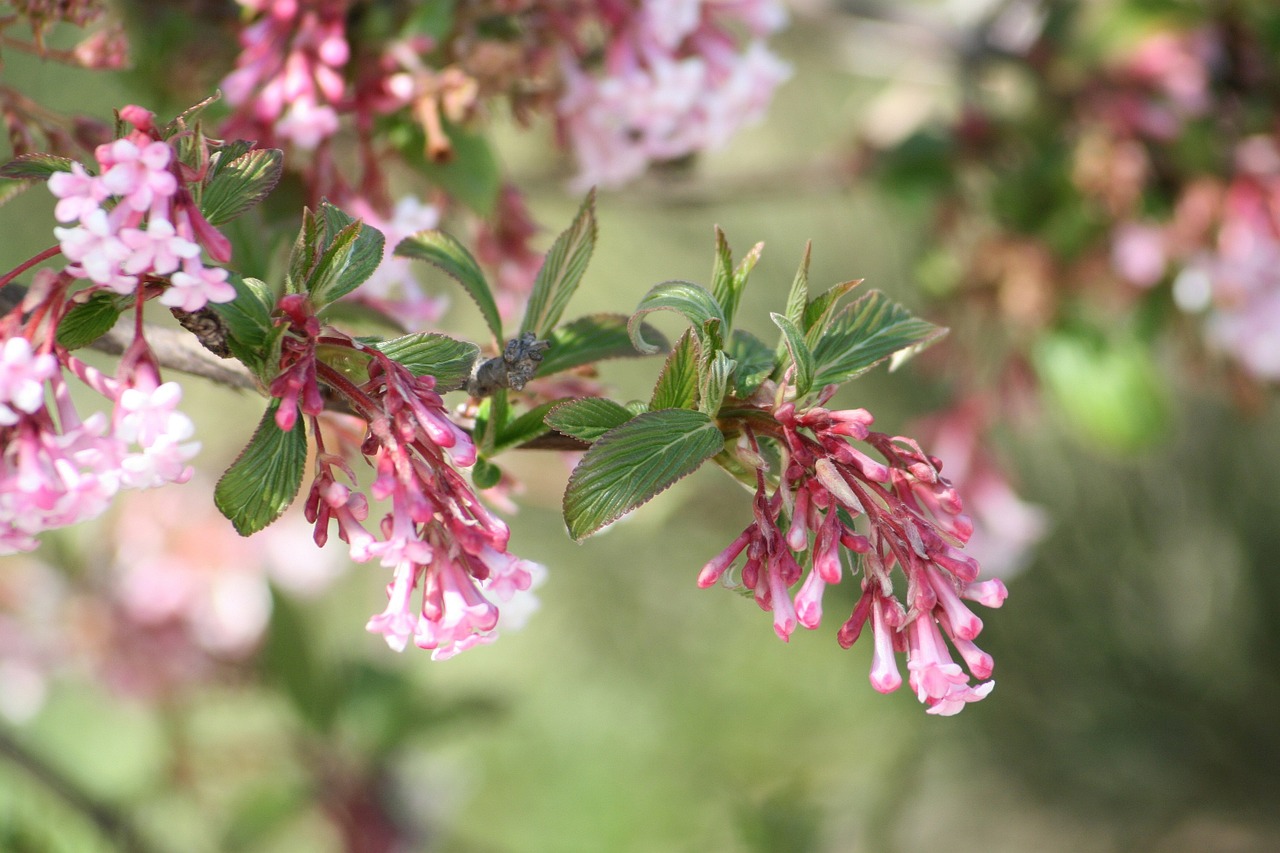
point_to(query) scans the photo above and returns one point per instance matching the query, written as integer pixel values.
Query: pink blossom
(140, 176)
(22, 378)
(78, 193)
(98, 251)
(197, 285)
(157, 248)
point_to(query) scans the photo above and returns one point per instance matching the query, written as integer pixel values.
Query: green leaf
(525, 428)
(305, 254)
(240, 184)
(739, 282)
(687, 298)
(797, 298)
(491, 415)
(722, 277)
(485, 475)
(818, 313)
(437, 247)
(715, 382)
(755, 362)
(632, 463)
(87, 322)
(588, 340)
(677, 385)
(588, 418)
(866, 333)
(449, 360)
(35, 167)
(265, 477)
(471, 174)
(801, 357)
(561, 271)
(433, 19)
(248, 319)
(351, 253)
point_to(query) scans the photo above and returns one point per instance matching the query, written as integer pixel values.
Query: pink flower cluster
(436, 535)
(288, 80)
(136, 219)
(675, 79)
(911, 518)
(58, 469)
(1222, 248)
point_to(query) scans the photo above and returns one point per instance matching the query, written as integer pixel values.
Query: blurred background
(165, 686)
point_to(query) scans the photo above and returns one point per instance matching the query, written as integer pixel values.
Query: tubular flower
(834, 504)
(443, 547)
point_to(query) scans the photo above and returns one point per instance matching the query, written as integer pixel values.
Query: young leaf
(714, 384)
(352, 252)
(755, 362)
(306, 252)
(240, 184)
(687, 298)
(801, 357)
(87, 322)
(34, 167)
(525, 428)
(866, 333)
(588, 418)
(484, 474)
(818, 313)
(450, 361)
(740, 276)
(632, 463)
(798, 297)
(722, 277)
(264, 479)
(588, 340)
(561, 271)
(677, 385)
(437, 247)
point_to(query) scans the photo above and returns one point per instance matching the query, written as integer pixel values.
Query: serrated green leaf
(561, 271)
(797, 297)
(715, 382)
(491, 415)
(248, 316)
(588, 340)
(801, 357)
(818, 313)
(525, 428)
(865, 333)
(632, 463)
(449, 360)
(265, 477)
(694, 302)
(755, 362)
(305, 254)
(240, 184)
(677, 385)
(739, 283)
(35, 167)
(437, 247)
(485, 475)
(722, 276)
(351, 252)
(588, 418)
(87, 322)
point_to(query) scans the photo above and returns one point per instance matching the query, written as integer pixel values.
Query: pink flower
(140, 176)
(22, 378)
(197, 285)
(97, 249)
(78, 193)
(913, 520)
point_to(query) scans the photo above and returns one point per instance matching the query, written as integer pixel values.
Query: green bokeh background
(1137, 656)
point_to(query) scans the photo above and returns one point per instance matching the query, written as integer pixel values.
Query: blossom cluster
(136, 219)
(899, 513)
(137, 232)
(436, 536)
(674, 79)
